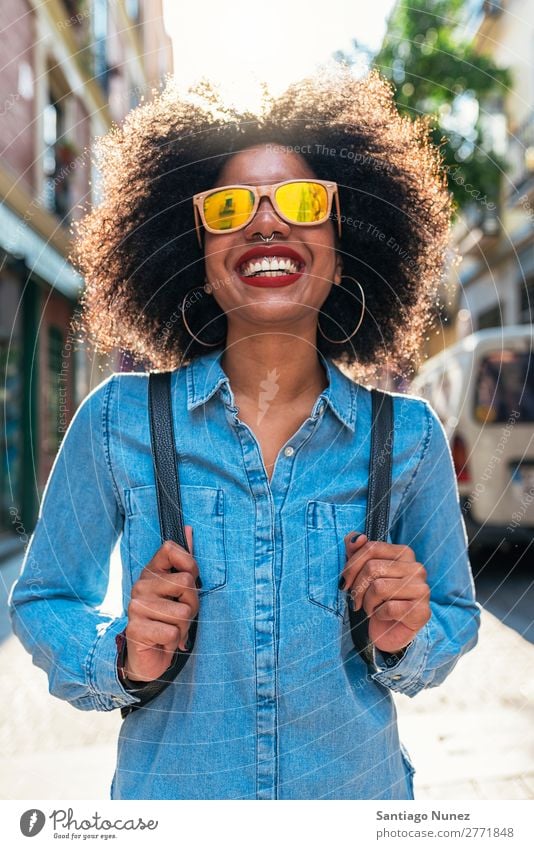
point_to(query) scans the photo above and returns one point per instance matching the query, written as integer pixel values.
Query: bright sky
(239, 43)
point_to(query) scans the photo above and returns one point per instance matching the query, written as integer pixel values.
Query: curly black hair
(138, 249)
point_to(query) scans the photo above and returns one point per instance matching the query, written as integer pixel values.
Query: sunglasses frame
(267, 190)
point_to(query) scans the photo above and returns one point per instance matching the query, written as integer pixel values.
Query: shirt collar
(205, 376)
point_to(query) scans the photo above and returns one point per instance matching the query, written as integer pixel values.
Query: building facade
(496, 238)
(70, 69)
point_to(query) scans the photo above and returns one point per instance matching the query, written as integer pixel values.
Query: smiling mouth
(273, 266)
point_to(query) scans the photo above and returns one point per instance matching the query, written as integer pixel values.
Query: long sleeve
(54, 603)
(429, 520)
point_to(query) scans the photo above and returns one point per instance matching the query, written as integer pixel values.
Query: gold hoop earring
(208, 289)
(339, 341)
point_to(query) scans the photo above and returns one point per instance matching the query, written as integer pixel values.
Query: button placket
(268, 557)
(265, 608)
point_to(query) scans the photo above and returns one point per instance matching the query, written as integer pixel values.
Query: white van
(482, 389)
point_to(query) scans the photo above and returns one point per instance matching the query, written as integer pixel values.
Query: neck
(285, 367)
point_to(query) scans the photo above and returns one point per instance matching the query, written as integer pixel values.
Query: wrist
(122, 658)
(395, 656)
(396, 653)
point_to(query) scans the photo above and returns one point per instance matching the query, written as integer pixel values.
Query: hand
(162, 606)
(391, 586)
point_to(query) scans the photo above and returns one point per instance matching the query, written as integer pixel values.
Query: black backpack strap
(378, 500)
(165, 459)
(170, 514)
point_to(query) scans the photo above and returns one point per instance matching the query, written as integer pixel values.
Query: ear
(338, 270)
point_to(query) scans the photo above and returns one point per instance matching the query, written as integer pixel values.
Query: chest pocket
(326, 526)
(203, 509)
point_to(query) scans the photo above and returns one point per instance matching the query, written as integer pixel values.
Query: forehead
(268, 163)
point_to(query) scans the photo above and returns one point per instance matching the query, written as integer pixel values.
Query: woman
(320, 227)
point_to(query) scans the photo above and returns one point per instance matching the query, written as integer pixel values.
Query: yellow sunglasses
(229, 208)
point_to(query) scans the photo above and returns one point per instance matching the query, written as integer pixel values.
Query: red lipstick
(293, 265)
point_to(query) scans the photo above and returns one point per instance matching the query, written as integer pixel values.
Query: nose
(266, 222)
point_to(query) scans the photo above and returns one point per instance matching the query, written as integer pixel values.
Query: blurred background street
(72, 68)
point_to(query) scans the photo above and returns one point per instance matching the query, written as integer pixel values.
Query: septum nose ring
(265, 239)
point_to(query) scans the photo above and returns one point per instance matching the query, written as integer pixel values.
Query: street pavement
(473, 737)
(470, 738)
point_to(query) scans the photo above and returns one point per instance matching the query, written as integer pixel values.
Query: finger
(377, 569)
(163, 609)
(383, 589)
(147, 633)
(412, 614)
(170, 556)
(357, 554)
(165, 650)
(171, 611)
(189, 537)
(374, 550)
(351, 544)
(386, 550)
(142, 615)
(175, 586)
(179, 586)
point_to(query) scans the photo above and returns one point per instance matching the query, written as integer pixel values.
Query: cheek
(321, 243)
(216, 253)
(211, 251)
(324, 257)
(218, 273)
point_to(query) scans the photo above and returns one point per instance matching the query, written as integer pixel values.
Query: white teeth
(269, 267)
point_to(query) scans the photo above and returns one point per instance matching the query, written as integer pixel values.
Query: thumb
(353, 541)
(189, 537)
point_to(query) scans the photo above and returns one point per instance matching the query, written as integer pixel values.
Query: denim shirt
(273, 702)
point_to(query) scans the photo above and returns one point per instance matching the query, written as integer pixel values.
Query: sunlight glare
(239, 45)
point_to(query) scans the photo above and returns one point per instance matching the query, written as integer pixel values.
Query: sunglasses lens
(303, 202)
(228, 209)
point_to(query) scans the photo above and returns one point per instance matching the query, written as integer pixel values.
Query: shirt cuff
(403, 675)
(103, 673)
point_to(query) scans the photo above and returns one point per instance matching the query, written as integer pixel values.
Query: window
(59, 153)
(100, 35)
(527, 301)
(490, 318)
(504, 384)
(132, 9)
(11, 399)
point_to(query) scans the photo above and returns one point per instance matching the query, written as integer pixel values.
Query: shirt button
(289, 451)
(396, 677)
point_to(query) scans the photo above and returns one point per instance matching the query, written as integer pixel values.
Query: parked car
(482, 389)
